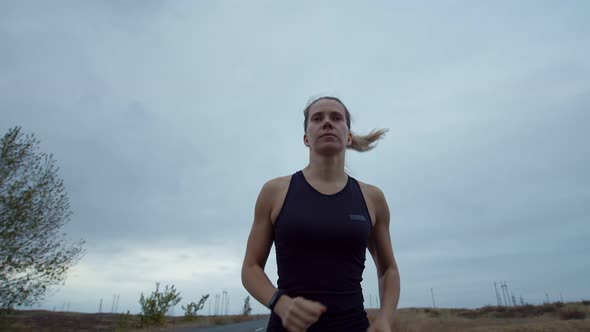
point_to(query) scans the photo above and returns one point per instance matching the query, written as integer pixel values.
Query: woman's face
(327, 131)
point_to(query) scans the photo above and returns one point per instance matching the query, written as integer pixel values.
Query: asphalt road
(251, 326)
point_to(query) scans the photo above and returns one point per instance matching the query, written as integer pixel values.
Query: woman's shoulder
(277, 184)
(370, 190)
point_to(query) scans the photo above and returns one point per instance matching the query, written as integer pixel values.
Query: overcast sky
(167, 117)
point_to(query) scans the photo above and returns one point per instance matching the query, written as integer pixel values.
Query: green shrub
(125, 321)
(247, 307)
(572, 314)
(190, 311)
(154, 307)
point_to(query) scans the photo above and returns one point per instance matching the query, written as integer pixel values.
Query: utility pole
(432, 293)
(547, 294)
(506, 294)
(100, 306)
(513, 300)
(216, 304)
(223, 302)
(497, 295)
(227, 305)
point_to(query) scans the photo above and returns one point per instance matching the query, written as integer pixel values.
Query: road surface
(251, 326)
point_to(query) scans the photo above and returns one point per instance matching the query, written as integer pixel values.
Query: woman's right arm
(296, 314)
(254, 279)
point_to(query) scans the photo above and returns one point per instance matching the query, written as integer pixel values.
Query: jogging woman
(322, 221)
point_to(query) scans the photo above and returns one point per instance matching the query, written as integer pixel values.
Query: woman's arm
(387, 272)
(258, 247)
(296, 314)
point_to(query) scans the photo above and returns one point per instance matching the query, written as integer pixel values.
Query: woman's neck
(326, 168)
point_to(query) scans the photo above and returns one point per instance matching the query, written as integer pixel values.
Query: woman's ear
(349, 141)
(305, 140)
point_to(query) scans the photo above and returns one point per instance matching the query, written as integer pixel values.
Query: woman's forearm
(389, 291)
(257, 283)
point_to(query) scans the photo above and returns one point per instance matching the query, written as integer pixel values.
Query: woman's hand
(297, 314)
(380, 324)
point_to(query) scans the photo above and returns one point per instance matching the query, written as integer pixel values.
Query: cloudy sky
(166, 118)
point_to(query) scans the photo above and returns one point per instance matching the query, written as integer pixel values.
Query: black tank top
(320, 243)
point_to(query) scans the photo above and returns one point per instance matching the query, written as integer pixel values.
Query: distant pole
(513, 300)
(432, 293)
(100, 306)
(504, 293)
(223, 302)
(227, 305)
(547, 294)
(209, 308)
(508, 294)
(561, 297)
(497, 295)
(113, 303)
(216, 304)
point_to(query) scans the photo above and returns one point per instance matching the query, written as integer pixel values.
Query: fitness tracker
(274, 299)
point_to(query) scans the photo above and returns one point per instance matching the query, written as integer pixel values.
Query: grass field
(556, 317)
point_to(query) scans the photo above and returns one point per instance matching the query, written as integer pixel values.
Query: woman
(322, 221)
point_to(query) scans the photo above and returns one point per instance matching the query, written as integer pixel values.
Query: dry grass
(49, 321)
(556, 317)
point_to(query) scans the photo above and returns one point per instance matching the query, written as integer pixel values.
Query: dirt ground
(556, 317)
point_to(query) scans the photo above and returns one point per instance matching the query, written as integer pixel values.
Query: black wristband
(274, 299)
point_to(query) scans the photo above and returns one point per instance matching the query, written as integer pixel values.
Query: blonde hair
(360, 143)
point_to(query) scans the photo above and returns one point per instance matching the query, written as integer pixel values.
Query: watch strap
(274, 299)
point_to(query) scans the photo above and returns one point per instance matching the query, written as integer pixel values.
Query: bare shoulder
(276, 185)
(372, 192)
(274, 192)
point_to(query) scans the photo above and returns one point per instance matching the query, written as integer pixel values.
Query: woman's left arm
(387, 273)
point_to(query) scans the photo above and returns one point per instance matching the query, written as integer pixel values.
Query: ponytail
(362, 143)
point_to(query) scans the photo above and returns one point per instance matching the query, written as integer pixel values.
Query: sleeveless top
(320, 242)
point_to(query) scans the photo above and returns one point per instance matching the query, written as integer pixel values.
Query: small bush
(572, 314)
(471, 314)
(247, 307)
(125, 321)
(190, 311)
(546, 308)
(432, 312)
(585, 302)
(157, 305)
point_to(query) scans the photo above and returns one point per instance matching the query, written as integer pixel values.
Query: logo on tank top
(358, 217)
